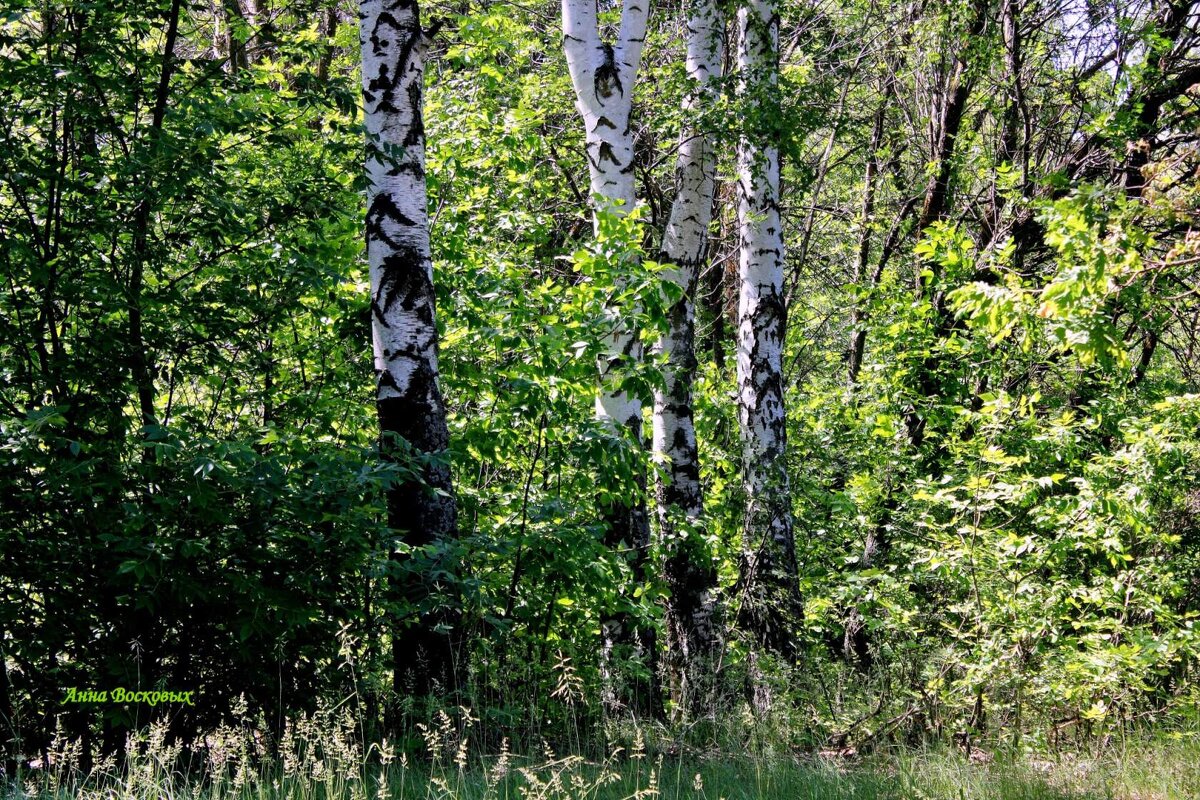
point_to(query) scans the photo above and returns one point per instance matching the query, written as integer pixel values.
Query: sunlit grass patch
(323, 759)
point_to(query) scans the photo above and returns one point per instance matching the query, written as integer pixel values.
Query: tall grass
(323, 758)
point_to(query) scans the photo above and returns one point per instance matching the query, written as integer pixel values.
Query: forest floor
(1162, 769)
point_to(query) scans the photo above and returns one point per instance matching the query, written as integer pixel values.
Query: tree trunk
(691, 626)
(603, 76)
(9, 742)
(954, 105)
(855, 642)
(329, 31)
(865, 283)
(767, 588)
(412, 416)
(934, 208)
(235, 46)
(141, 366)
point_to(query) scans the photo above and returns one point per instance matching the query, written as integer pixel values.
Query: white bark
(684, 247)
(398, 252)
(760, 291)
(403, 328)
(603, 76)
(688, 570)
(768, 570)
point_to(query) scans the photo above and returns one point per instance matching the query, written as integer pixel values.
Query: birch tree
(412, 416)
(691, 628)
(767, 588)
(603, 76)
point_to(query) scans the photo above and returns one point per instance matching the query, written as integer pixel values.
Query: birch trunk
(412, 415)
(767, 586)
(603, 77)
(691, 627)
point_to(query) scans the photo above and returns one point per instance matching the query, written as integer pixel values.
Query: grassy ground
(1165, 770)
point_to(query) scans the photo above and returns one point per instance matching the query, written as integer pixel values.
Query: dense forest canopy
(825, 365)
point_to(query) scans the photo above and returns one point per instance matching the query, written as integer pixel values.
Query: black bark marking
(606, 152)
(416, 131)
(423, 511)
(409, 32)
(770, 602)
(404, 280)
(383, 207)
(627, 527)
(607, 80)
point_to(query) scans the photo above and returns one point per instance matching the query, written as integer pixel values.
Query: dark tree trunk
(141, 366)
(9, 741)
(627, 529)
(235, 47)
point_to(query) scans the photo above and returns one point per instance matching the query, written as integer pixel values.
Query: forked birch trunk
(603, 77)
